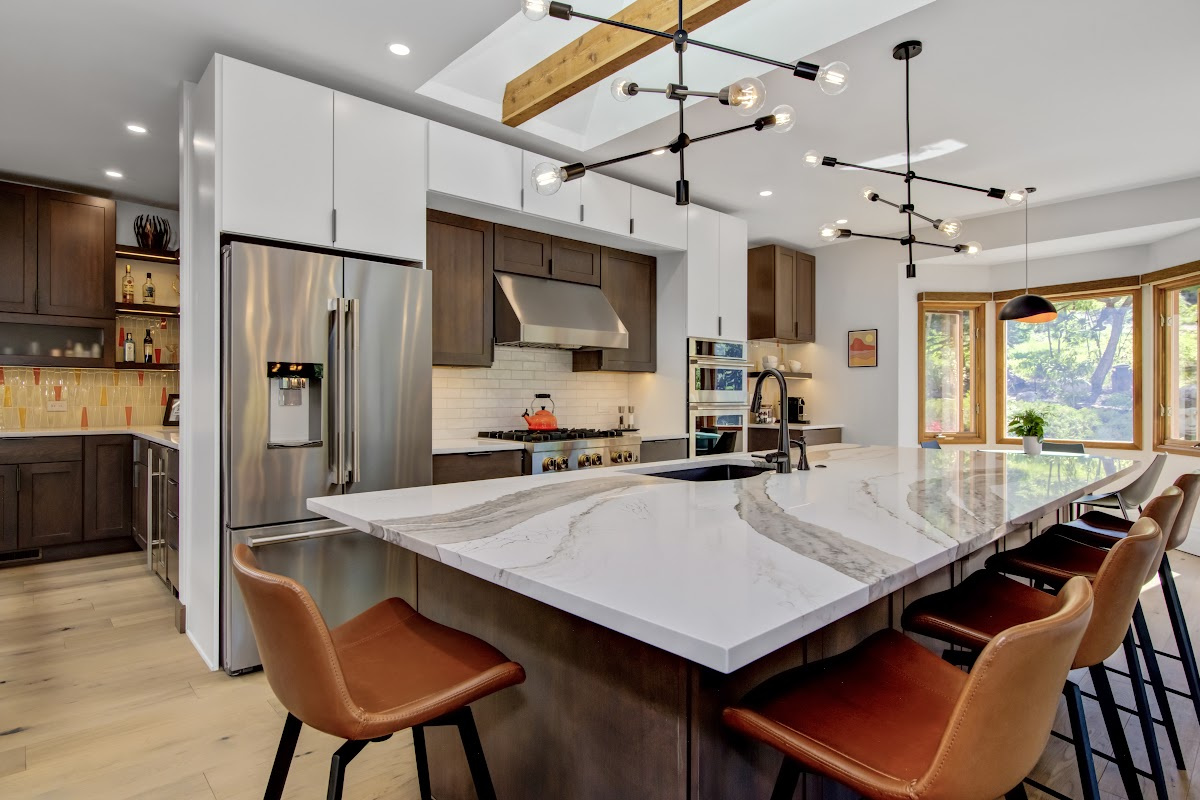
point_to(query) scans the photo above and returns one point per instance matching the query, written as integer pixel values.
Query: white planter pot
(1032, 444)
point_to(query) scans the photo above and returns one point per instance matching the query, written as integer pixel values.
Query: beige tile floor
(100, 698)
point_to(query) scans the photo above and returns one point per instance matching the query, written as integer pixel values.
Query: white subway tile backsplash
(466, 401)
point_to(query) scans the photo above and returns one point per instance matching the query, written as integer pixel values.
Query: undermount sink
(716, 472)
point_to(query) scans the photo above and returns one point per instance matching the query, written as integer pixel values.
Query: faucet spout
(783, 463)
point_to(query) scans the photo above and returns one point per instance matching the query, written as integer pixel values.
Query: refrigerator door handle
(337, 419)
(263, 541)
(355, 387)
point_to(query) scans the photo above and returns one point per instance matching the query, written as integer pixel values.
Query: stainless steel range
(569, 449)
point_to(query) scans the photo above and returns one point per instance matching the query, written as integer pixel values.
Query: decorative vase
(1032, 445)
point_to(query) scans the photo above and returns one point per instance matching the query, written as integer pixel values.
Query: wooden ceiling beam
(601, 53)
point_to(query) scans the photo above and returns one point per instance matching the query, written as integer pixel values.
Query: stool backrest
(1129, 564)
(296, 648)
(1143, 485)
(1002, 719)
(1189, 483)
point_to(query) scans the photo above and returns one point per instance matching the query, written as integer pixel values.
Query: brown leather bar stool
(1100, 529)
(975, 611)
(383, 671)
(1051, 559)
(890, 720)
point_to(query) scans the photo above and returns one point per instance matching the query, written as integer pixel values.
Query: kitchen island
(641, 605)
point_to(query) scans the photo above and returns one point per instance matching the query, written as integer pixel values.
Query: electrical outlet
(56, 405)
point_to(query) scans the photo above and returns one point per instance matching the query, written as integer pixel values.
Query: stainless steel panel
(344, 570)
(538, 312)
(391, 353)
(718, 420)
(276, 308)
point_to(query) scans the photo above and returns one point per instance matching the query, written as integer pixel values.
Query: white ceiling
(1077, 97)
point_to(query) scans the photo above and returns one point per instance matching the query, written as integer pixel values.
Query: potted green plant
(1031, 427)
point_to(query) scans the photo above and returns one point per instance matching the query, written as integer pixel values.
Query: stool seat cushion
(972, 613)
(872, 717)
(1051, 559)
(402, 669)
(1095, 528)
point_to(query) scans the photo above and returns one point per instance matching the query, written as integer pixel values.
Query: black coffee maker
(795, 411)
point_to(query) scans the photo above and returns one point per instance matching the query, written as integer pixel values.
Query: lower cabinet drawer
(462, 467)
(664, 450)
(41, 449)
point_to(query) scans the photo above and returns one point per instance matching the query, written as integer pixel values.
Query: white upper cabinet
(605, 203)
(464, 165)
(378, 179)
(563, 205)
(276, 155)
(733, 256)
(657, 219)
(703, 272)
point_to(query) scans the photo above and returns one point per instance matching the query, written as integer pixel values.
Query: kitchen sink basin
(716, 472)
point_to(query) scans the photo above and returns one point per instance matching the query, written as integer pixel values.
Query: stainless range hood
(537, 312)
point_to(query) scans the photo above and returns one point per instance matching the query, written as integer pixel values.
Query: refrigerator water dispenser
(294, 413)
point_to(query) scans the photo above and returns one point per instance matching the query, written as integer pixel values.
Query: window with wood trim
(950, 368)
(1177, 364)
(1082, 371)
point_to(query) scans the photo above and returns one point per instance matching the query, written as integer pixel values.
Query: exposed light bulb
(869, 193)
(747, 96)
(535, 9)
(133, 127)
(785, 119)
(832, 78)
(813, 159)
(830, 231)
(623, 89)
(1015, 198)
(548, 178)
(972, 249)
(398, 49)
(952, 228)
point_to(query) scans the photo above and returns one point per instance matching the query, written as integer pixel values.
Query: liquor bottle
(129, 347)
(148, 348)
(127, 286)
(148, 291)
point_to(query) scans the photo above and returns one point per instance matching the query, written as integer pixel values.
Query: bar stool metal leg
(283, 758)
(789, 778)
(1116, 732)
(1156, 682)
(337, 767)
(1183, 638)
(475, 759)
(1017, 793)
(1145, 719)
(1083, 742)
(422, 758)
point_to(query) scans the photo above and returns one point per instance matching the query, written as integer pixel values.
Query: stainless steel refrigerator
(326, 390)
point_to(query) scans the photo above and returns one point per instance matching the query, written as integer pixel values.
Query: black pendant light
(1028, 307)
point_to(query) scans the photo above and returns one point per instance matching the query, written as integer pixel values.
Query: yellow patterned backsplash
(95, 398)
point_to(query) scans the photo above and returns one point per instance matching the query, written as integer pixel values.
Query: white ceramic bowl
(794, 366)
(770, 362)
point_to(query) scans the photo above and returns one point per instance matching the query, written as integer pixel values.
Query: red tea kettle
(541, 420)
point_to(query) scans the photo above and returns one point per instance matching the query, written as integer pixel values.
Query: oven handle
(717, 363)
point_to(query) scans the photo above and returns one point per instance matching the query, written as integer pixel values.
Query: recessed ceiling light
(659, 151)
(765, 193)
(398, 49)
(112, 173)
(135, 128)
(841, 222)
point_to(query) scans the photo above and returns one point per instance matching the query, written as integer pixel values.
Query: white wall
(661, 397)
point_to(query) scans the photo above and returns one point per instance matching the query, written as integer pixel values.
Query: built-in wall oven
(718, 403)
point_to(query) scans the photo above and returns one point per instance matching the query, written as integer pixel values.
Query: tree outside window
(951, 371)
(1081, 371)
(1177, 375)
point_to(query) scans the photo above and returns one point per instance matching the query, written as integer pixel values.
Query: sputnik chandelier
(950, 228)
(746, 97)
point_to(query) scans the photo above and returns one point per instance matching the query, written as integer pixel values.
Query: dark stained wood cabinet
(781, 294)
(50, 504)
(629, 281)
(459, 254)
(482, 466)
(577, 262)
(18, 248)
(76, 241)
(107, 483)
(9, 521)
(523, 252)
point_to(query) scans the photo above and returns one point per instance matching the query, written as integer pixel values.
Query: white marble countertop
(723, 573)
(811, 426)
(450, 446)
(168, 437)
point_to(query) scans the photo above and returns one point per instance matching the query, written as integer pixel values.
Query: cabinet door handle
(581, 212)
(18, 479)
(335, 225)
(719, 326)
(631, 226)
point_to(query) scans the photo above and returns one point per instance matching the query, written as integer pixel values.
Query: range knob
(564, 463)
(597, 460)
(615, 456)
(549, 465)
(632, 457)
(585, 460)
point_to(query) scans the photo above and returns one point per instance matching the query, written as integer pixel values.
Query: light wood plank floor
(100, 698)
